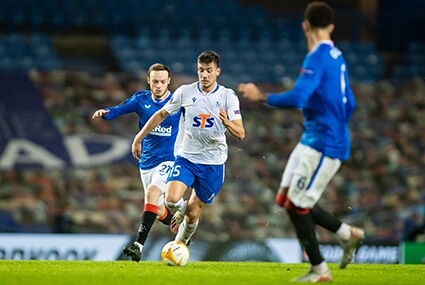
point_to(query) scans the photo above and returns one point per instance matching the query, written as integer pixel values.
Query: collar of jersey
(161, 100)
(200, 90)
(322, 42)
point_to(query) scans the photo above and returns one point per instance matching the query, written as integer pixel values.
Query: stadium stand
(20, 53)
(377, 188)
(414, 62)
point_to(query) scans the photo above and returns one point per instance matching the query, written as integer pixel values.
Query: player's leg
(155, 179)
(306, 186)
(180, 179)
(350, 237)
(304, 227)
(291, 165)
(320, 216)
(190, 222)
(150, 213)
(164, 215)
(174, 196)
(208, 182)
(176, 203)
(153, 196)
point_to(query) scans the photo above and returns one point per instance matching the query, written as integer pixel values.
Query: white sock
(186, 231)
(140, 246)
(182, 205)
(321, 267)
(344, 231)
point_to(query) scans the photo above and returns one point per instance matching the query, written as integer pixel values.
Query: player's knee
(290, 207)
(171, 205)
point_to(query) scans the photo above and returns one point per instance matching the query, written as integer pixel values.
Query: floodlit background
(62, 172)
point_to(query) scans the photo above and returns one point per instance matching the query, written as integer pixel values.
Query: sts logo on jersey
(203, 121)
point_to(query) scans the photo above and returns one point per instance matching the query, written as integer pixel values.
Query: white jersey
(204, 138)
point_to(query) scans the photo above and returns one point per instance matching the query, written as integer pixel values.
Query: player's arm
(297, 96)
(235, 127)
(251, 92)
(100, 113)
(155, 120)
(350, 105)
(110, 113)
(294, 98)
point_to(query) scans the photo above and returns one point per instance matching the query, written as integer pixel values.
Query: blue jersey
(158, 145)
(323, 92)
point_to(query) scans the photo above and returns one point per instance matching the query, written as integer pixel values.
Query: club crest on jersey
(203, 121)
(193, 99)
(217, 104)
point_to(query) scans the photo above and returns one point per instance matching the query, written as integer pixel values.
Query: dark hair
(158, 67)
(208, 57)
(319, 14)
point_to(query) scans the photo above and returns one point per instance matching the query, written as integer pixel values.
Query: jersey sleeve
(233, 106)
(308, 80)
(127, 106)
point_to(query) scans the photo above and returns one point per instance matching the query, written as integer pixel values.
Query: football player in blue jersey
(322, 91)
(157, 158)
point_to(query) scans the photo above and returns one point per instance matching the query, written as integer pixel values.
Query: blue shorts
(206, 180)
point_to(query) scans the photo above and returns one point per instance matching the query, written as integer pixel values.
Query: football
(175, 253)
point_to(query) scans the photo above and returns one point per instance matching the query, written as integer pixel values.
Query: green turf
(204, 273)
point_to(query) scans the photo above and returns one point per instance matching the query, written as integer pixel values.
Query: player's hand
(136, 149)
(100, 113)
(251, 92)
(223, 117)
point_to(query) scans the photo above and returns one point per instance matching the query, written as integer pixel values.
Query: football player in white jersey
(158, 149)
(208, 110)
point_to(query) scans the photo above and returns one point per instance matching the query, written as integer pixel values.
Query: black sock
(148, 218)
(306, 234)
(167, 220)
(325, 219)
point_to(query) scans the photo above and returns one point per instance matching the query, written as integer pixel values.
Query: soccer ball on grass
(175, 253)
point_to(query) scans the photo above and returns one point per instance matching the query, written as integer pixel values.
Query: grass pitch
(205, 273)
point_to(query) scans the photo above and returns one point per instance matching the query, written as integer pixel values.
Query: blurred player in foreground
(209, 110)
(322, 91)
(157, 159)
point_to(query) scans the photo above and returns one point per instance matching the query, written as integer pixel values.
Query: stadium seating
(162, 31)
(19, 53)
(413, 64)
(253, 47)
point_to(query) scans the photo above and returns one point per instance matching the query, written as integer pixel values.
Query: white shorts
(157, 176)
(307, 175)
